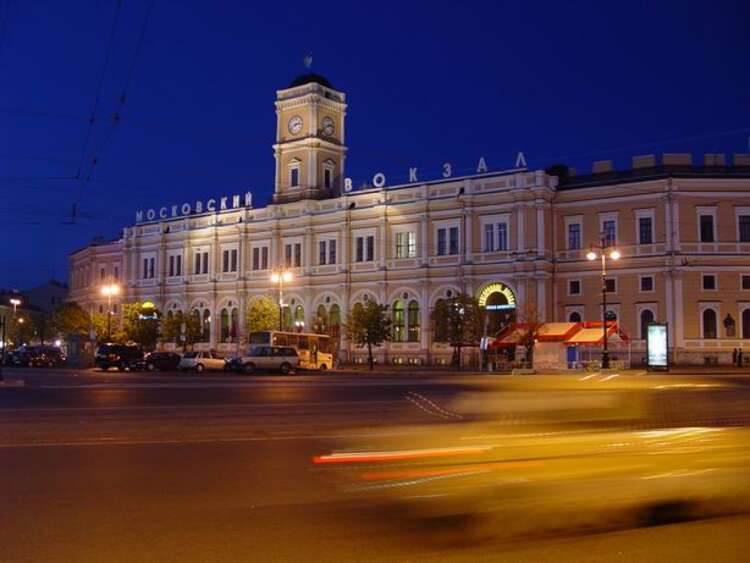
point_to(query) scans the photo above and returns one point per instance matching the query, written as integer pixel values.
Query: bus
(314, 350)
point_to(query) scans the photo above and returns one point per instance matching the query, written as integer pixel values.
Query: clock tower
(309, 149)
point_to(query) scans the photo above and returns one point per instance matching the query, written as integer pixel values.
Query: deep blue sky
(570, 81)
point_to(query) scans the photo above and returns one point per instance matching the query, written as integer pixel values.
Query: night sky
(561, 81)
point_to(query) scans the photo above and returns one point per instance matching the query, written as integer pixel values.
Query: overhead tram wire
(95, 109)
(117, 115)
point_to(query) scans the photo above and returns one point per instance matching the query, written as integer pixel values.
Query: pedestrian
(734, 356)
(739, 358)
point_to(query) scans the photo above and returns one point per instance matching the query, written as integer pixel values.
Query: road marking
(196, 440)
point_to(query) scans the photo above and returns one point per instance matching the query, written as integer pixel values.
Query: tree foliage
(369, 325)
(140, 324)
(171, 329)
(70, 319)
(458, 321)
(262, 314)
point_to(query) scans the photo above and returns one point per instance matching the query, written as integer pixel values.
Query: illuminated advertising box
(656, 346)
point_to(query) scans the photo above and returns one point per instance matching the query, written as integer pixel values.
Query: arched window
(398, 321)
(413, 321)
(321, 320)
(299, 318)
(169, 315)
(286, 318)
(611, 315)
(206, 328)
(746, 323)
(574, 317)
(235, 326)
(709, 323)
(647, 317)
(334, 320)
(224, 322)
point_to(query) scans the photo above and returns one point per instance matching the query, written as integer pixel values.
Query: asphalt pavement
(162, 467)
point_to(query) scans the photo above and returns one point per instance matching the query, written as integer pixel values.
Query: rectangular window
(609, 227)
(647, 283)
(327, 177)
(359, 253)
(406, 245)
(489, 238)
(709, 281)
(645, 230)
(117, 273)
(322, 254)
(197, 266)
(234, 256)
(151, 267)
(171, 266)
(294, 177)
(441, 242)
(744, 226)
(610, 285)
(370, 248)
(145, 268)
(502, 236)
(745, 282)
(256, 258)
(331, 251)
(225, 261)
(264, 258)
(574, 236)
(288, 255)
(453, 249)
(178, 265)
(297, 255)
(205, 262)
(707, 228)
(574, 287)
(102, 273)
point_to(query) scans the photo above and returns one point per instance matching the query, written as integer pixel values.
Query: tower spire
(308, 60)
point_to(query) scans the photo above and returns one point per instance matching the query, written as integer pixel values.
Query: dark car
(119, 356)
(37, 356)
(163, 361)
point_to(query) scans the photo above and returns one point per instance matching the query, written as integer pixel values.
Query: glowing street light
(279, 278)
(108, 291)
(592, 255)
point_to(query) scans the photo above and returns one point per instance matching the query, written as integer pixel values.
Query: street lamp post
(108, 291)
(614, 255)
(280, 277)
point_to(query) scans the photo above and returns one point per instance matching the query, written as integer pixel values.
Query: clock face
(295, 125)
(327, 126)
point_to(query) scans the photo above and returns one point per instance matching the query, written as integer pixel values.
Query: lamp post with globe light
(280, 277)
(614, 254)
(108, 291)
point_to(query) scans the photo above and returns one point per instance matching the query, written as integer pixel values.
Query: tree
(262, 314)
(20, 329)
(529, 322)
(172, 329)
(458, 321)
(140, 323)
(70, 319)
(369, 325)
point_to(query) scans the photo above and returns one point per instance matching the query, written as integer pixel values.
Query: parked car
(163, 361)
(275, 358)
(37, 356)
(200, 361)
(119, 356)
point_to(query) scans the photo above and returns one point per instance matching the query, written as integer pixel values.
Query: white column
(541, 299)
(521, 235)
(468, 233)
(540, 228)
(382, 245)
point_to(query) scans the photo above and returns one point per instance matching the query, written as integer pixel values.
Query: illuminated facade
(516, 239)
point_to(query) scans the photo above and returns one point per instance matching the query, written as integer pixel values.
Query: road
(160, 467)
